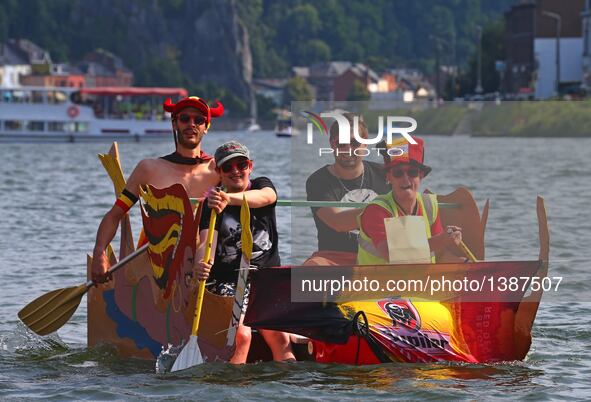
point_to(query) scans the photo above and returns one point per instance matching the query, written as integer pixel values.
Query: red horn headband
(197, 103)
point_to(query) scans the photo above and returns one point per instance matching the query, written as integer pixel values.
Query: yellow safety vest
(367, 254)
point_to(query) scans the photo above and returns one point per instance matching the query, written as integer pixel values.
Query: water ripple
(51, 209)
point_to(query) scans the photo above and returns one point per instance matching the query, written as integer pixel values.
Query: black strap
(132, 197)
(175, 157)
(362, 330)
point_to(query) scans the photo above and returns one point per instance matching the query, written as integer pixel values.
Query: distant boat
(84, 114)
(283, 126)
(253, 126)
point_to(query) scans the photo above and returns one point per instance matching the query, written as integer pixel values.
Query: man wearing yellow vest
(403, 163)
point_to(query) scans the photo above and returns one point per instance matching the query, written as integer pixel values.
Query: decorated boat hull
(490, 323)
(150, 302)
(138, 313)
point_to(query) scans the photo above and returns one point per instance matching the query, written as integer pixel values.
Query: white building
(12, 66)
(530, 47)
(571, 64)
(18, 57)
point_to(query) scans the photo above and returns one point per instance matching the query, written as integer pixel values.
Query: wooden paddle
(191, 355)
(467, 251)
(246, 243)
(465, 248)
(112, 165)
(49, 312)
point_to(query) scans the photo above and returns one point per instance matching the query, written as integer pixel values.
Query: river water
(53, 196)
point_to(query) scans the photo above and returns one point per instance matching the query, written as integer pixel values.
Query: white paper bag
(407, 240)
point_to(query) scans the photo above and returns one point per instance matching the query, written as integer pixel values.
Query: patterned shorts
(228, 289)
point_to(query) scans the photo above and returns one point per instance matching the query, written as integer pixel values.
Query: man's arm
(339, 219)
(255, 198)
(140, 176)
(105, 233)
(110, 222)
(372, 223)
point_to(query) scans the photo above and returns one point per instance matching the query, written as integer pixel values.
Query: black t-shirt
(263, 225)
(324, 186)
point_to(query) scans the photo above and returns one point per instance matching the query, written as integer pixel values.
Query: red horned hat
(197, 103)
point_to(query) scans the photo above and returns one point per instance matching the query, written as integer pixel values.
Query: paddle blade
(49, 312)
(190, 356)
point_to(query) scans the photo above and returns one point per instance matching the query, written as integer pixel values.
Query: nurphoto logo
(393, 126)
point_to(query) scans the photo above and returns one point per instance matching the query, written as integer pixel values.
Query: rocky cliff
(216, 48)
(199, 41)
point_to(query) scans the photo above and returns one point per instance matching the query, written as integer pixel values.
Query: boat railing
(335, 204)
(35, 95)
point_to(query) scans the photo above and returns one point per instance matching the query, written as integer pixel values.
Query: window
(37, 97)
(35, 126)
(76, 127)
(13, 125)
(56, 97)
(56, 126)
(81, 127)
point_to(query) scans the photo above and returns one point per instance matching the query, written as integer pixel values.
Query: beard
(348, 162)
(190, 143)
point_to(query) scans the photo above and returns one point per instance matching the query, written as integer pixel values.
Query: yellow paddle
(49, 312)
(464, 248)
(191, 355)
(467, 251)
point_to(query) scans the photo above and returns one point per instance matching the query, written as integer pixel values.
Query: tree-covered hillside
(382, 33)
(177, 43)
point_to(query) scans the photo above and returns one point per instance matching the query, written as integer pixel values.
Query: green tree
(358, 92)
(383, 33)
(161, 70)
(235, 106)
(297, 89)
(300, 23)
(493, 48)
(3, 26)
(265, 108)
(313, 51)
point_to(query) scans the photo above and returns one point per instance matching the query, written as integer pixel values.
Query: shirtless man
(188, 165)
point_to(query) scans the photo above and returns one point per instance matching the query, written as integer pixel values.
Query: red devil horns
(217, 110)
(196, 102)
(168, 105)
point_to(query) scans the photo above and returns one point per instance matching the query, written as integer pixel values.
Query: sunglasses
(229, 166)
(410, 172)
(353, 145)
(185, 118)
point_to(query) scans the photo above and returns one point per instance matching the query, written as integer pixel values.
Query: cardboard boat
(138, 316)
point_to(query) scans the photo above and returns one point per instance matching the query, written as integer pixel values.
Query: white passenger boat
(84, 114)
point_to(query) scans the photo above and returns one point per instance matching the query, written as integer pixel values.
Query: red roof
(135, 91)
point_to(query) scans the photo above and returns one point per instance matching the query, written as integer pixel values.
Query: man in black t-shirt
(348, 179)
(234, 167)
